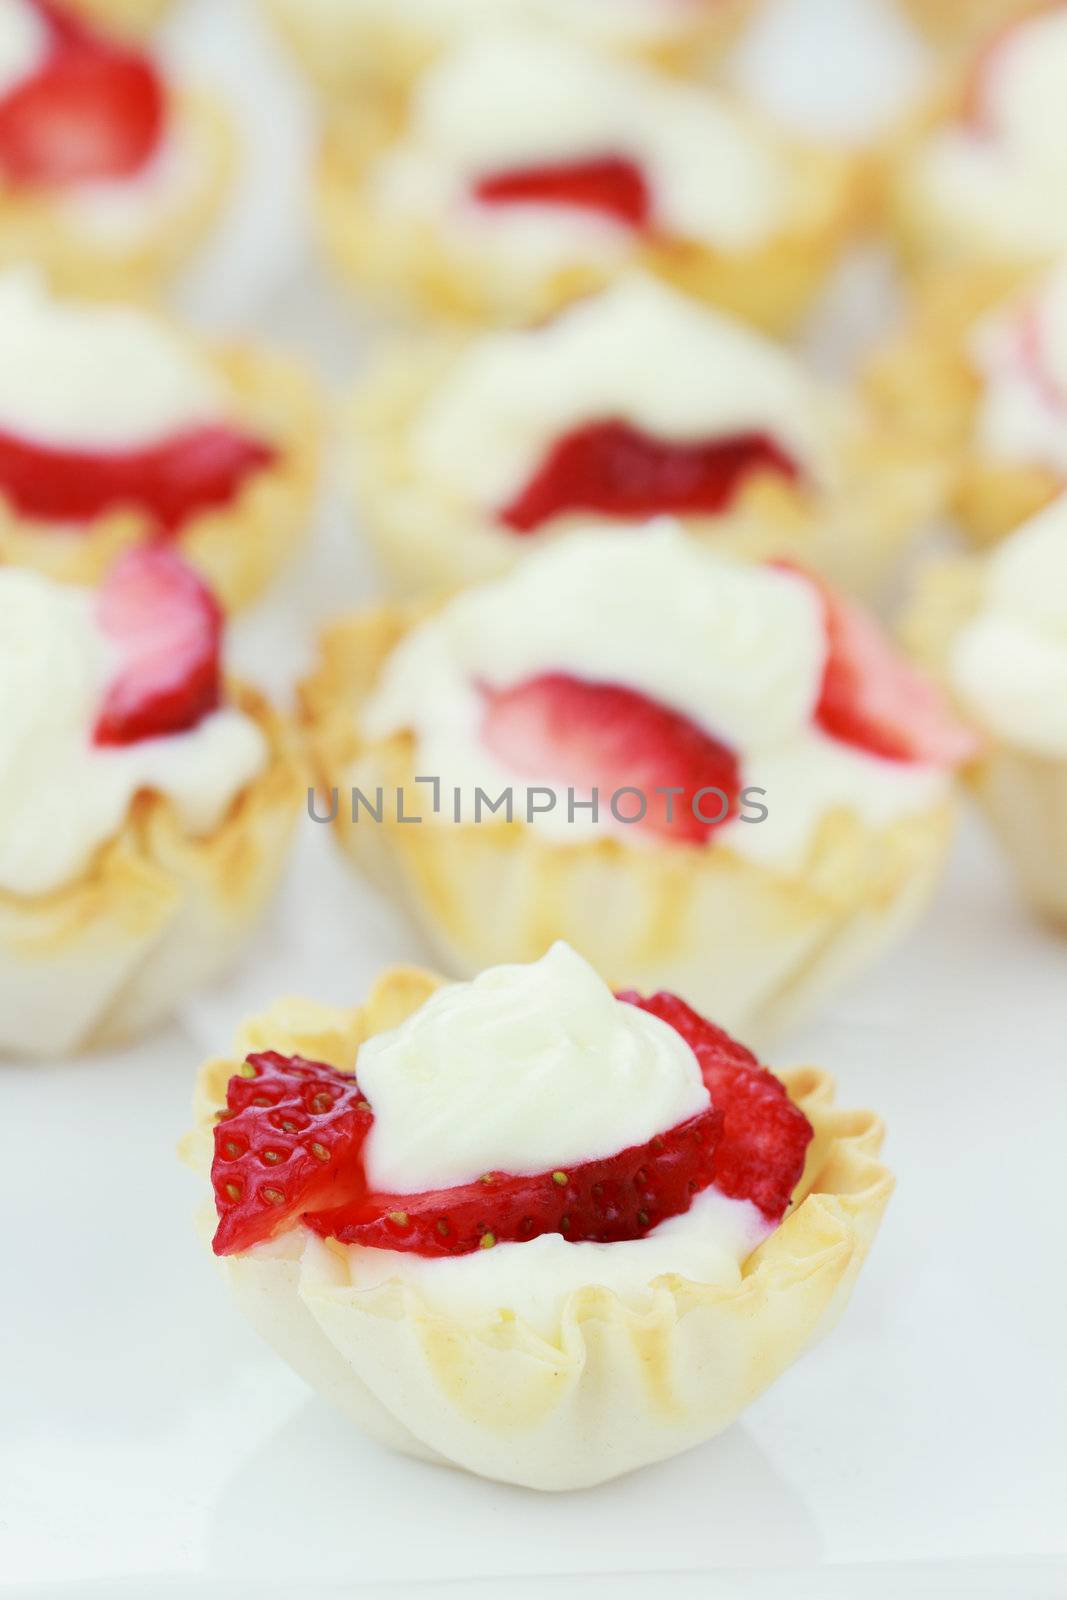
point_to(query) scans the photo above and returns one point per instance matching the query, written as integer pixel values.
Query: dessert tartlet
(355, 47)
(963, 22)
(995, 630)
(528, 1228)
(465, 455)
(704, 774)
(147, 805)
(133, 18)
(980, 377)
(979, 176)
(116, 428)
(525, 169)
(109, 176)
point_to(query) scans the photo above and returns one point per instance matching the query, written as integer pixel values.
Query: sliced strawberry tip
(92, 111)
(872, 698)
(760, 1154)
(622, 1196)
(615, 469)
(612, 185)
(289, 1140)
(170, 482)
(166, 627)
(557, 729)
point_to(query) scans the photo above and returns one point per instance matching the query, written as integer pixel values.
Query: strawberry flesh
(170, 482)
(558, 729)
(166, 627)
(617, 470)
(614, 186)
(765, 1137)
(619, 1197)
(289, 1140)
(92, 110)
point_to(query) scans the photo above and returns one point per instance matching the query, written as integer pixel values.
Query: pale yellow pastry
(995, 631)
(136, 855)
(977, 177)
(524, 170)
(553, 1363)
(956, 23)
(605, 667)
(466, 454)
(356, 47)
(980, 377)
(162, 387)
(135, 18)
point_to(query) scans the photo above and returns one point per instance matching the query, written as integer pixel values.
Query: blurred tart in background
(109, 175)
(467, 453)
(959, 23)
(706, 774)
(528, 1227)
(994, 630)
(147, 803)
(524, 169)
(116, 428)
(133, 18)
(353, 47)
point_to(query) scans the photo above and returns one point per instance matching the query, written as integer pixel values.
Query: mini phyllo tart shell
(157, 914)
(239, 547)
(753, 945)
(957, 23)
(354, 55)
(43, 225)
(1022, 791)
(618, 1388)
(411, 262)
(889, 480)
(131, 18)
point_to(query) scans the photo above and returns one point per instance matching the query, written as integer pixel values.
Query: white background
(146, 1436)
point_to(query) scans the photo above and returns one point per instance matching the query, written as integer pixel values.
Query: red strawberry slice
(765, 1137)
(289, 1140)
(171, 482)
(872, 698)
(168, 630)
(616, 469)
(612, 185)
(557, 729)
(90, 112)
(619, 1197)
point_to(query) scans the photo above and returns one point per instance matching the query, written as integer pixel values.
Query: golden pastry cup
(414, 264)
(1023, 794)
(43, 227)
(926, 389)
(756, 948)
(353, 56)
(962, 23)
(129, 18)
(157, 913)
(889, 483)
(239, 548)
(616, 1388)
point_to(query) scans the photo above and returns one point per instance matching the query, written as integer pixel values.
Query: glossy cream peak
(1009, 664)
(95, 377)
(639, 351)
(23, 42)
(525, 1069)
(61, 796)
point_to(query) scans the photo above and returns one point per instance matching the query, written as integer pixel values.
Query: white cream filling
(738, 649)
(523, 97)
(23, 42)
(639, 351)
(525, 1069)
(95, 377)
(709, 1243)
(603, 21)
(1009, 664)
(1006, 178)
(1018, 418)
(61, 796)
